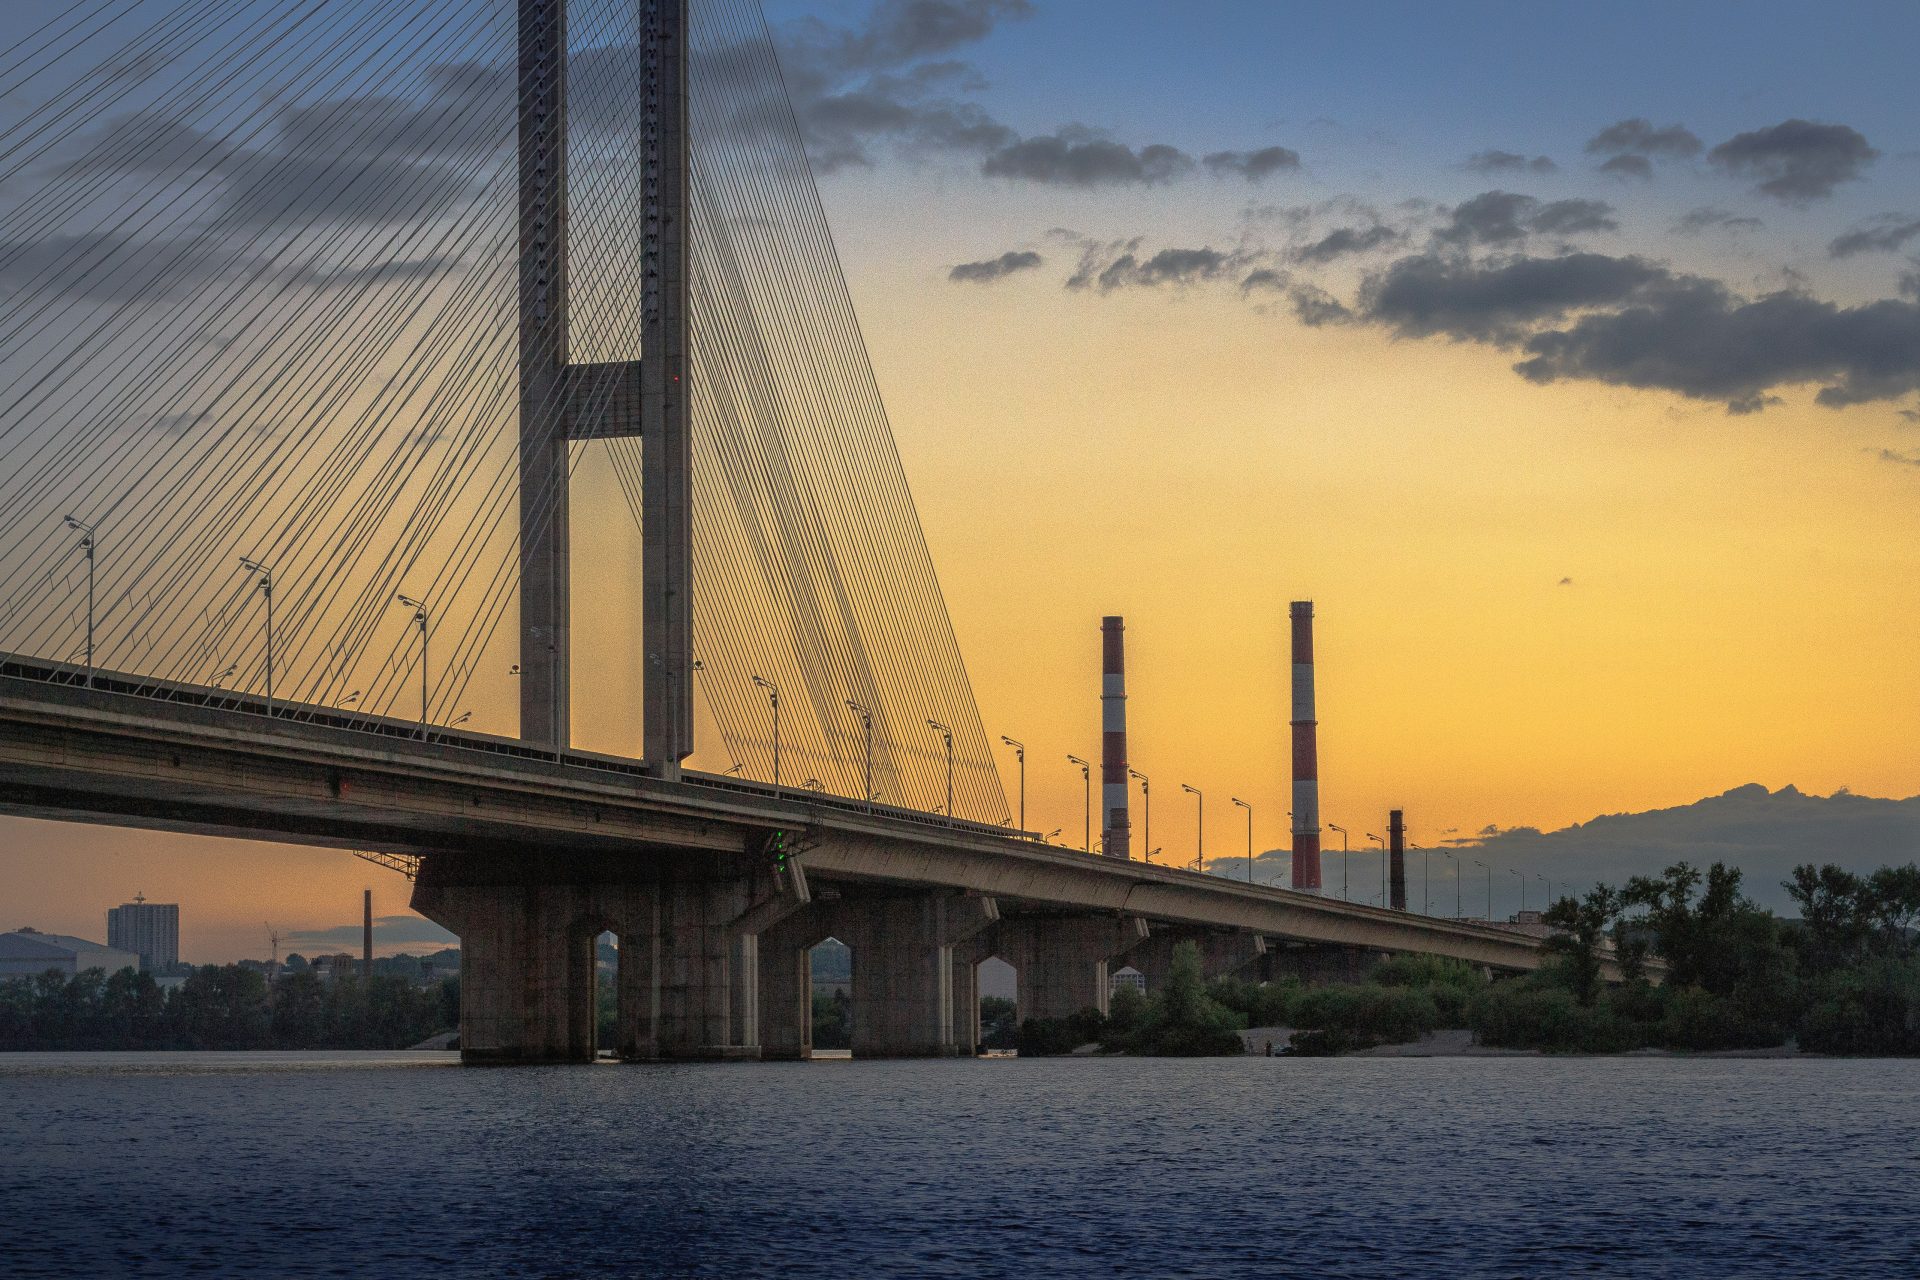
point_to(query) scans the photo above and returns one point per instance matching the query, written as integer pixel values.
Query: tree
(1584, 923)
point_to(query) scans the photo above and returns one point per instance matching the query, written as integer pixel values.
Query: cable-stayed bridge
(334, 330)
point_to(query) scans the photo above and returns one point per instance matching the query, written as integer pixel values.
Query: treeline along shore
(1844, 978)
(226, 1007)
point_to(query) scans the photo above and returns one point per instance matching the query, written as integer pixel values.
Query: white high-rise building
(150, 930)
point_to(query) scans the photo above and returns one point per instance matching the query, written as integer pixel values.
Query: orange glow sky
(1536, 603)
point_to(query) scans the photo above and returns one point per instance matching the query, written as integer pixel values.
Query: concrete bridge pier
(1062, 962)
(1322, 962)
(903, 967)
(1223, 954)
(688, 969)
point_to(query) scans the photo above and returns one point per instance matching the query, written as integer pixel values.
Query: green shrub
(1522, 1015)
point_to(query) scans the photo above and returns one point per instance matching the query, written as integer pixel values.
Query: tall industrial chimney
(1306, 755)
(1397, 858)
(1116, 831)
(366, 936)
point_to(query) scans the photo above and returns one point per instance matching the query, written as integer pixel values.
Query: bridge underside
(527, 860)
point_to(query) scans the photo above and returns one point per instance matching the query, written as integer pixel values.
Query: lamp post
(1383, 864)
(1426, 882)
(947, 735)
(1489, 870)
(1450, 857)
(814, 785)
(866, 719)
(1521, 877)
(1199, 827)
(1146, 811)
(1249, 808)
(773, 696)
(86, 533)
(1020, 756)
(1549, 886)
(1086, 777)
(1344, 895)
(266, 592)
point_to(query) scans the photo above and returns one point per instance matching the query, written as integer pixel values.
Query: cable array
(261, 267)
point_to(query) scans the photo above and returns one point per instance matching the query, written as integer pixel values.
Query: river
(399, 1165)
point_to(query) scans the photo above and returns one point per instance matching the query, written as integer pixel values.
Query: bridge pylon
(561, 401)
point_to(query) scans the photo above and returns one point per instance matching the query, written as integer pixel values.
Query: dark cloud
(1796, 161)
(1638, 136)
(1316, 308)
(1628, 167)
(1895, 456)
(1503, 218)
(1009, 263)
(1435, 294)
(1266, 279)
(1346, 241)
(1167, 267)
(897, 32)
(1254, 166)
(1509, 162)
(1566, 582)
(1573, 217)
(113, 267)
(1077, 157)
(1697, 221)
(1886, 234)
(1699, 339)
(1490, 218)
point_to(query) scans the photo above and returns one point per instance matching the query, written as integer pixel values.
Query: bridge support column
(1322, 962)
(1063, 961)
(967, 956)
(689, 966)
(1222, 954)
(903, 949)
(784, 964)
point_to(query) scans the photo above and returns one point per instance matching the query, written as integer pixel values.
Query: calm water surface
(395, 1165)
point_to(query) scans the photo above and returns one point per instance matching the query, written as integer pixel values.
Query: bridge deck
(138, 754)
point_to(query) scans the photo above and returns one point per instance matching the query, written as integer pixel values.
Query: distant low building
(1127, 977)
(27, 953)
(149, 929)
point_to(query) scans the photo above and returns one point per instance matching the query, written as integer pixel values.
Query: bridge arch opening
(830, 997)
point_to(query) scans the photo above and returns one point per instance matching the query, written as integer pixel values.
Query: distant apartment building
(1127, 977)
(151, 930)
(28, 953)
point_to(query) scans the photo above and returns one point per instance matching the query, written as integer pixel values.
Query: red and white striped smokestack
(1306, 755)
(1116, 832)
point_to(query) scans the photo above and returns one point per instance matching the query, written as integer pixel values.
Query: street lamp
(1146, 811)
(1020, 754)
(1199, 827)
(1522, 878)
(1086, 777)
(814, 785)
(266, 591)
(773, 696)
(1489, 870)
(946, 734)
(1249, 808)
(86, 547)
(459, 720)
(1426, 882)
(1456, 880)
(1344, 896)
(866, 718)
(419, 616)
(1383, 863)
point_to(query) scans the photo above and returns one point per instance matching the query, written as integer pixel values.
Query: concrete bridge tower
(1116, 831)
(1306, 755)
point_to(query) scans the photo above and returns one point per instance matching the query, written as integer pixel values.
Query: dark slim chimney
(1116, 831)
(366, 935)
(1397, 858)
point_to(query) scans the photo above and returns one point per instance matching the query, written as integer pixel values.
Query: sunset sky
(1568, 358)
